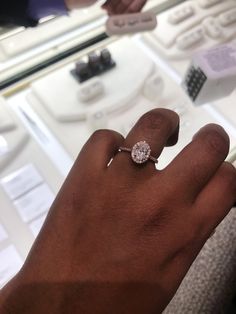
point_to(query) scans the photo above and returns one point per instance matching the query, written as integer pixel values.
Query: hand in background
(123, 6)
(111, 6)
(75, 4)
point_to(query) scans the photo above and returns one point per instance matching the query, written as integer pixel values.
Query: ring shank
(129, 150)
(125, 149)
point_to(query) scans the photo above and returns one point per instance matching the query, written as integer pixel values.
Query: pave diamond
(141, 152)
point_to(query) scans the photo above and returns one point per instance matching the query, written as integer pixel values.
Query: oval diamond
(140, 152)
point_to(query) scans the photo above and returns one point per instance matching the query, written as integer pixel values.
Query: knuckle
(98, 135)
(105, 135)
(156, 220)
(191, 235)
(159, 118)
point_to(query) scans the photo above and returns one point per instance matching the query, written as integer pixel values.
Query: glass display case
(50, 105)
(26, 51)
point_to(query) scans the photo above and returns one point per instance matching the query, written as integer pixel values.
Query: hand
(112, 6)
(75, 4)
(120, 239)
(123, 6)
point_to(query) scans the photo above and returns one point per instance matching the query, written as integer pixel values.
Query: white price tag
(21, 181)
(34, 203)
(10, 264)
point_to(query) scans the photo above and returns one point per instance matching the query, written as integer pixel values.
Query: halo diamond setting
(141, 152)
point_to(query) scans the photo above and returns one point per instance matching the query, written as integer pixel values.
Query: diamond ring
(140, 153)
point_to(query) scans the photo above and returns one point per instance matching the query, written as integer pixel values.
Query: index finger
(197, 163)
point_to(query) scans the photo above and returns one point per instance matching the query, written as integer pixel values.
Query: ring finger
(158, 128)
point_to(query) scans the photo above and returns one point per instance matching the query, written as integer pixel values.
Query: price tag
(34, 203)
(21, 181)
